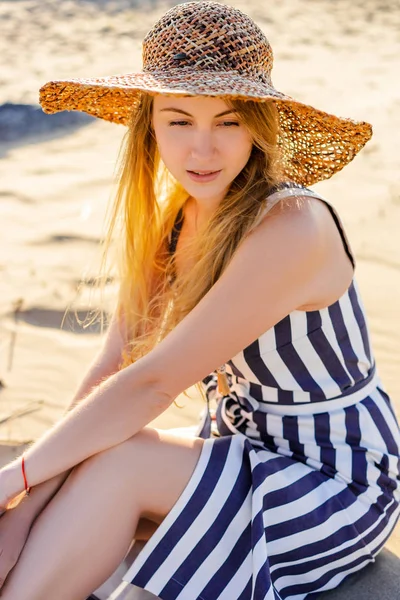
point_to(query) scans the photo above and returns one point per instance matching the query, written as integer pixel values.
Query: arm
(275, 270)
(105, 364)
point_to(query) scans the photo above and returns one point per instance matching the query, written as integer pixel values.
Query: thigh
(161, 464)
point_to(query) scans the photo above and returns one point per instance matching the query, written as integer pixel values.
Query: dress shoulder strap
(341, 229)
(294, 189)
(174, 233)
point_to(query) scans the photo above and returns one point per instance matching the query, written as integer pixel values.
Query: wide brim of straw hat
(314, 144)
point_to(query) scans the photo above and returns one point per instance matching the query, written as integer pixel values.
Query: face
(201, 135)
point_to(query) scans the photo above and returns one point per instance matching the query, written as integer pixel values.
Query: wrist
(12, 482)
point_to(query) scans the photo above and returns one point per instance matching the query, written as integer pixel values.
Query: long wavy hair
(152, 298)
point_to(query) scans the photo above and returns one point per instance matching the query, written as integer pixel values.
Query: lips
(203, 172)
(203, 176)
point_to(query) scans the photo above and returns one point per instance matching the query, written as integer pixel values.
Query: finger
(16, 500)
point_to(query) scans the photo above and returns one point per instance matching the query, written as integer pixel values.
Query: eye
(172, 123)
(230, 123)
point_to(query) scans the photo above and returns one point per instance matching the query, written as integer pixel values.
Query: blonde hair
(146, 205)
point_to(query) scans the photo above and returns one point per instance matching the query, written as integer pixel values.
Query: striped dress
(297, 485)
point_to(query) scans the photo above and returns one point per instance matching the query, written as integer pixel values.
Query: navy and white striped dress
(297, 485)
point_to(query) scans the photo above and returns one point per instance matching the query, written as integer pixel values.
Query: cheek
(164, 139)
(170, 147)
(237, 149)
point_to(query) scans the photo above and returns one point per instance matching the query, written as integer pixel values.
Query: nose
(203, 147)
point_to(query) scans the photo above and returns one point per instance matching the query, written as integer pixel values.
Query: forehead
(195, 105)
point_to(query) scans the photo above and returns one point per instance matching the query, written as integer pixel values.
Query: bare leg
(83, 534)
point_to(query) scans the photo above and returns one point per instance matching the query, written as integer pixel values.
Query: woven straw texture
(211, 49)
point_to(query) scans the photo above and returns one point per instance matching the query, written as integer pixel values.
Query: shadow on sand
(73, 321)
(22, 124)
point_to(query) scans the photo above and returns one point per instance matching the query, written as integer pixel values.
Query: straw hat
(211, 49)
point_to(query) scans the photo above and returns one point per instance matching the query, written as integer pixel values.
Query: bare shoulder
(305, 211)
(291, 233)
(299, 211)
(315, 227)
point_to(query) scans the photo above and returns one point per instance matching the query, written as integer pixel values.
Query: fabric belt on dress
(363, 389)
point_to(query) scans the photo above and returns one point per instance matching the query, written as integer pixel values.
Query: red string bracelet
(27, 489)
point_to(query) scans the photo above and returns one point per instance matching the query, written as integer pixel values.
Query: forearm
(41, 494)
(114, 411)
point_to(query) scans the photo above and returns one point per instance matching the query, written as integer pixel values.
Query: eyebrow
(183, 112)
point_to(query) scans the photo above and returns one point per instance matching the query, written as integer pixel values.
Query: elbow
(143, 375)
(160, 388)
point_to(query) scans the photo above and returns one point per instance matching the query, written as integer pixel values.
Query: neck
(196, 213)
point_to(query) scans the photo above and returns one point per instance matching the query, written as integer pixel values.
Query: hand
(14, 530)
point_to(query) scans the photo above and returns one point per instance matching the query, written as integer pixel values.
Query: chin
(204, 191)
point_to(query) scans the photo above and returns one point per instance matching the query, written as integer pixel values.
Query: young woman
(234, 274)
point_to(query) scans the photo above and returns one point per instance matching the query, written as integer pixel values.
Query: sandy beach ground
(57, 178)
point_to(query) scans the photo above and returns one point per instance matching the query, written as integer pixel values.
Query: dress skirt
(260, 524)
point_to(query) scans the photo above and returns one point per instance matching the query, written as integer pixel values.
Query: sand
(56, 179)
